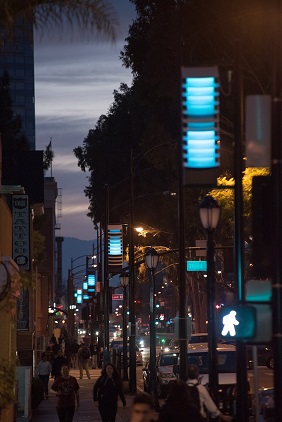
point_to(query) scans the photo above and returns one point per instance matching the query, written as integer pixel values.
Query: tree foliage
(225, 198)
(86, 14)
(165, 35)
(48, 157)
(112, 153)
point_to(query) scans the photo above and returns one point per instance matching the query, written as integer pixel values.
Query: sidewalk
(46, 411)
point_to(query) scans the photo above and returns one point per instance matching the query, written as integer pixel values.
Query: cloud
(74, 84)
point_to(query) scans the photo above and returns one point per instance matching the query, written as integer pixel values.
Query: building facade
(17, 58)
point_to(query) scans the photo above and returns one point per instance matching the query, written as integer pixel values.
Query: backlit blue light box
(115, 248)
(200, 118)
(91, 279)
(196, 266)
(115, 243)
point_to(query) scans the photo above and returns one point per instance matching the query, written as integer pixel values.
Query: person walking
(66, 388)
(206, 403)
(58, 363)
(74, 348)
(142, 408)
(106, 391)
(179, 405)
(94, 354)
(83, 356)
(44, 369)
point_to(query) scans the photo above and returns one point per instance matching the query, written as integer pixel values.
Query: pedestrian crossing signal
(238, 323)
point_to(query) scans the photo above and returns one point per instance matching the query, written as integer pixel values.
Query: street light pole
(209, 214)
(151, 261)
(105, 272)
(132, 337)
(124, 281)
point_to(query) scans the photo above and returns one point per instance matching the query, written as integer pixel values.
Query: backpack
(195, 395)
(85, 354)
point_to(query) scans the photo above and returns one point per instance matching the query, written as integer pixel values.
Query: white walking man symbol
(229, 321)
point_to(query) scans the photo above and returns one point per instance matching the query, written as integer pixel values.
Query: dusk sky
(74, 83)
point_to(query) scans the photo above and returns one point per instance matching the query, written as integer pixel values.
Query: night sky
(74, 82)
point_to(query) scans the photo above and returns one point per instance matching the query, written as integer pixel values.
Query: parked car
(265, 356)
(139, 358)
(196, 339)
(165, 375)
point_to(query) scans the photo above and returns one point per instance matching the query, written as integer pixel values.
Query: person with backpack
(57, 364)
(201, 397)
(106, 391)
(179, 405)
(83, 356)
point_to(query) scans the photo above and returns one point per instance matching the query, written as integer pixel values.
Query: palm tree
(95, 15)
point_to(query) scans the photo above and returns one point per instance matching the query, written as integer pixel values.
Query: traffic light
(238, 322)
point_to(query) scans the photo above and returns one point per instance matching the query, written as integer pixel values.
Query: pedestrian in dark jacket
(83, 356)
(106, 391)
(58, 363)
(74, 347)
(179, 405)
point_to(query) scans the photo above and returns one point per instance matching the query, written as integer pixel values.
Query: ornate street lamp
(124, 281)
(209, 215)
(151, 261)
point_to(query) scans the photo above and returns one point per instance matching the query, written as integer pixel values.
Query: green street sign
(238, 322)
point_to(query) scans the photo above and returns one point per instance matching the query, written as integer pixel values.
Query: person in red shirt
(67, 388)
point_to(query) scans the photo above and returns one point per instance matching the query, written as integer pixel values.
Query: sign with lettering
(118, 296)
(21, 233)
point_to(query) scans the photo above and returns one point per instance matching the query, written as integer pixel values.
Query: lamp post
(151, 261)
(209, 215)
(124, 281)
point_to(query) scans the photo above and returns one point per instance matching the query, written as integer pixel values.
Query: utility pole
(276, 229)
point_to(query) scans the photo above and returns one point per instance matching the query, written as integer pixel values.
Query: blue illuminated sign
(115, 248)
(91, 281)
(196, 266)
(200, 118)
(85, 285)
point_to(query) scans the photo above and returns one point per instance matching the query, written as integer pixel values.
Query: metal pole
(212, 337)
(152, 363)
(276, 171)
(105, 278)
(124, 329)
(181, 228)
(242, 384)
(70, 291)
(132, 341)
